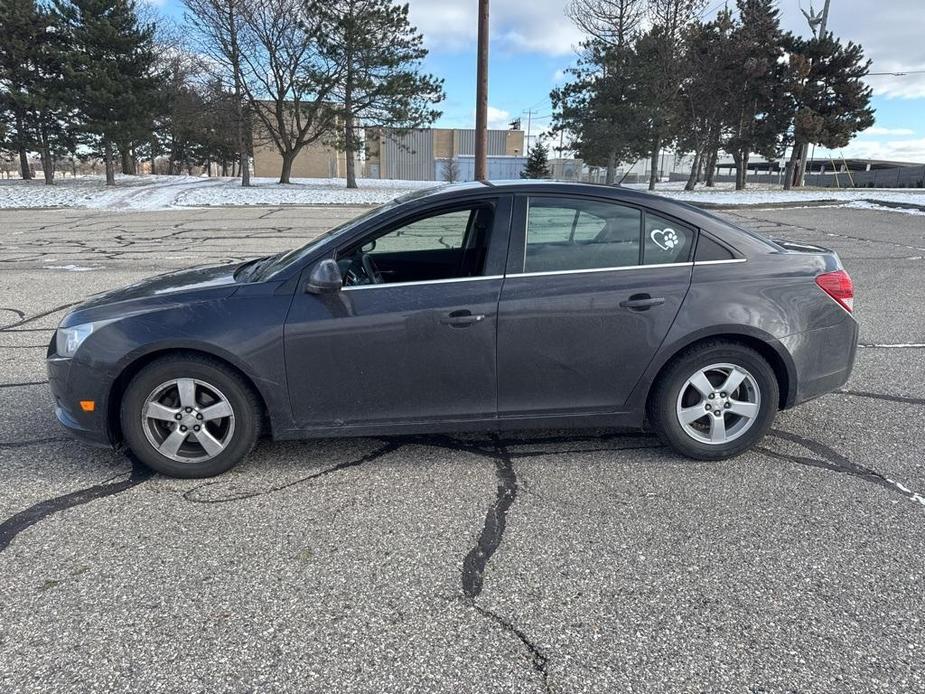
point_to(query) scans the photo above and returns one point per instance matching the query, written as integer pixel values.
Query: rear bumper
(822, 358)
(70, 383)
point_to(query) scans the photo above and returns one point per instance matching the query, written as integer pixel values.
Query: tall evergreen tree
(112, 81)
(598, 106)
(380, 83)
(760, 105)
(537, 162)
(831, 99)
(710, 70)
(31, 54)
(660, 71)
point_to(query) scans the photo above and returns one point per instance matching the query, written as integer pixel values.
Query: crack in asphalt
(774, 224)
(832, 460)
(37, 316)
(23, 384)
(26, 518)
(883, 396)
(538, 659)
(489, 539)
(190, 494)
(32, 442)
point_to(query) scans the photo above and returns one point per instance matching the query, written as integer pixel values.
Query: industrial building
(422, 154)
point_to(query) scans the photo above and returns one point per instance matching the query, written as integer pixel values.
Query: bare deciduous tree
(610, 21)
(218, 23)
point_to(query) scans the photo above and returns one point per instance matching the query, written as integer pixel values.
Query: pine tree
(760, 106)
(598, 106)
(112, 82)
(380, 82)
(659, 72)
(831, 100)
(537, 162)
(710, 70)
(31, 57)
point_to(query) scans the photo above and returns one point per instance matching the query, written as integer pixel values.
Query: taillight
(839, 286)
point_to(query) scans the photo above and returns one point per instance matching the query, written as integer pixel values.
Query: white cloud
(892, 38)
(912, 150)
(497, 118)
(877, 130)
(452, 25)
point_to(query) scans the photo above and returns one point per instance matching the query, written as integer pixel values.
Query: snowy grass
(170, 192)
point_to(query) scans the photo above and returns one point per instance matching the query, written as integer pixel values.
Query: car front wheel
(715, 401)
(189, 416)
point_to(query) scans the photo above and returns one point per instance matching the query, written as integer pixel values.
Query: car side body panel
(766, 293)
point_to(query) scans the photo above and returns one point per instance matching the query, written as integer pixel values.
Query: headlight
(68, 340)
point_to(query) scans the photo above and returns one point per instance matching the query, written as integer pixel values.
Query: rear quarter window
(708, 249)
(666, 241)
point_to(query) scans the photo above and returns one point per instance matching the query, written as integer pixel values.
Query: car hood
(199, 283)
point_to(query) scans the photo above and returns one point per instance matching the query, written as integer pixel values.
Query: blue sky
(533, 42)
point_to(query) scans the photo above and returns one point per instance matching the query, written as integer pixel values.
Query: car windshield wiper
(251, 270)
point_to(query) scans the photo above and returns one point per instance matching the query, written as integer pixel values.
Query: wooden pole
(481, 96)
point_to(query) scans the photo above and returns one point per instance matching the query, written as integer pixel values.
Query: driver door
(417, 342)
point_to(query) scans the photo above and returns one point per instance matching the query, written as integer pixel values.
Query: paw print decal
(666, 239)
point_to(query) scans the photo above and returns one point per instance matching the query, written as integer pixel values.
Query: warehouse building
(423, 154)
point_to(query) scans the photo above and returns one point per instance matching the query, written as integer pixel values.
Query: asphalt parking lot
(547, 561)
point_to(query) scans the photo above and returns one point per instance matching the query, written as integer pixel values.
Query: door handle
(642, 302)
(462, 319)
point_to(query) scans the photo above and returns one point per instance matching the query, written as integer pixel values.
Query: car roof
(684, 211)
(742, 239)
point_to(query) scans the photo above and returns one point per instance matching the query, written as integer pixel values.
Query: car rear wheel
(189, 416)
(715, 401)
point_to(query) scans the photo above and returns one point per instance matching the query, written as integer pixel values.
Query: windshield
(285, 260)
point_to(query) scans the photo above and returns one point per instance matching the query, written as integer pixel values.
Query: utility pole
(481, 96)
(818, 23)
(529, 113)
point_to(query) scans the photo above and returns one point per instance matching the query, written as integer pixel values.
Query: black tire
(238, 394)
(663, 400)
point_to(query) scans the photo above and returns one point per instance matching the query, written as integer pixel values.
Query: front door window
(447, 245)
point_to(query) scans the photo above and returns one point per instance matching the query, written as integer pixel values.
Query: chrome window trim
(600, 269)
(412, 284)
(720, 262)
(545, 274)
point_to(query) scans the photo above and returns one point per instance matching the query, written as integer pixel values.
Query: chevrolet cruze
(491, 306)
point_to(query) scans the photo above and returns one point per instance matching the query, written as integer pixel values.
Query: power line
(901, 73)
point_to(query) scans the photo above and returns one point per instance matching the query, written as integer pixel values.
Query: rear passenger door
(591, 289)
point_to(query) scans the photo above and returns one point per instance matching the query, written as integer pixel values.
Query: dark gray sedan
(467, 307)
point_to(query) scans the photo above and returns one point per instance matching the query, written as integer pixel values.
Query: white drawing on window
(666, 239)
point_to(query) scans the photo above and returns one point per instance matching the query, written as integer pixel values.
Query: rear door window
(566, 234)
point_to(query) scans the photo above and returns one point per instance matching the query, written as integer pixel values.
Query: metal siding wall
(465, 143)
(499, 168)
(410, 157)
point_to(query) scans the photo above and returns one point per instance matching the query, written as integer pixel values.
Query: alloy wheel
(187, 420)
(718, 404)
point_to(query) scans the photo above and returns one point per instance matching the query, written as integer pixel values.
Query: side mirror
(325, 278)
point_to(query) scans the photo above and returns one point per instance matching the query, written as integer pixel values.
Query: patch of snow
(71, 268)
(866, 205)
(171, 192)
(167, 192)
(303, 191)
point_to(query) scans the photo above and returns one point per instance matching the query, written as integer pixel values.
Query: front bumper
(70, 383)
(823, 359)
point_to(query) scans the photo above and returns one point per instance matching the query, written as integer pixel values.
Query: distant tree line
(656, 74)
(104, 79)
